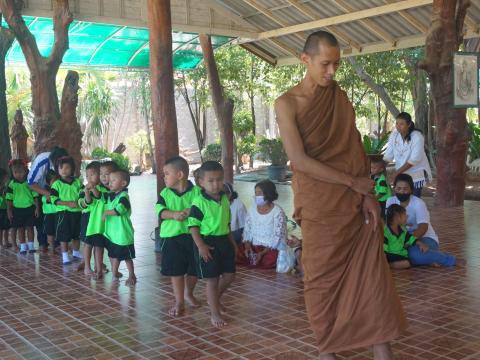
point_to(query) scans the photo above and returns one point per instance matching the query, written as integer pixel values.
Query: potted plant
(374, 148)
(272, 150)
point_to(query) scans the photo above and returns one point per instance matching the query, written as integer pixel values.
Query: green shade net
(110, 46)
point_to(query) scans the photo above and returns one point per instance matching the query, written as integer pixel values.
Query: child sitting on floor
(238, 211)
(49, 210)
(22, 206)
(118, 226)
(396, 238)
(382, 188)
(4, 223)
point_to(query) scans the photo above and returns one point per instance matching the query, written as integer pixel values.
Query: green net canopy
(110, 46)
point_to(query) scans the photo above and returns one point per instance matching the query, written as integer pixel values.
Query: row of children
(98, 213)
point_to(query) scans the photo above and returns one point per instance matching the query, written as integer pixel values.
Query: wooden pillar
(163, 97)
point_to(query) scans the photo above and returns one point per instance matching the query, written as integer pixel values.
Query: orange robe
(350, 295)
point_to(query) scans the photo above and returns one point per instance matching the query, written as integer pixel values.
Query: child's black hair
(51, 175)
(94, 165)
(16, 164)
(228, 188)
(269, 190)
(405, 178)
(209, 166)
(56, 153)
(393, 210)
(110, 164)
(180, 164)
(65, 160)
(123, 174)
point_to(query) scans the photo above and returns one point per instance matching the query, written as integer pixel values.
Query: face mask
(402, 197)
(260, 200)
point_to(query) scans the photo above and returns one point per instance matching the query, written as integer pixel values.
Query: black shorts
(49, 224)
(83, 225)
(223, 254)
(97, 240)
(67, 226)
(394, 257)
(120, 252)
(177, 256)
(23, 217)
(4, 222)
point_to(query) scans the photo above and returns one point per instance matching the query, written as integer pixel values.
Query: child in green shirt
(118, 226)
(22, 206)
(173, 208)
(382, 188)
(209, 223)
(4, 222)
(49, 210)
(396, 238)
(65, 194)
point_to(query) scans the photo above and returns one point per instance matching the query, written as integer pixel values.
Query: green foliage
(375, 146)
(272, 150)
(122, 161)
(474, 145)
(247, 145)
(212, 152)
(243, 129)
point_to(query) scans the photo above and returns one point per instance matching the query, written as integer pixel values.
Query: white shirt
(239, 213)
(38, 171)
(269, 230)
(412, 152)
(417, 213)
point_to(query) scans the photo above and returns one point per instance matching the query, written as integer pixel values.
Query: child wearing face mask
(265, 231)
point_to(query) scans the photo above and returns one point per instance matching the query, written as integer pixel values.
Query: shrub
(272, 150)
(122, 161)
(213, 152)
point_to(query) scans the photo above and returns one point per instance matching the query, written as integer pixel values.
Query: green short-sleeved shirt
(119, 228)
(96, 208)
(20, 194)
(172, 200)
(212, 217)
(63, 190)
(397, 244)
(47, 206)
(382, 189)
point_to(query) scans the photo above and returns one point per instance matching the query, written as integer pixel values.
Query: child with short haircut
(65, 194)
(4, 222)
(49, 210)
(118, 226)
(209, 223)
(382, 189)
(22, 205)
(173, 208)
(397, 239)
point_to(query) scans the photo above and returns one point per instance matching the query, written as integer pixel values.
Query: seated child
(4, 222)
(49, 210)
(22, 206)
(65, 194)
(296, 244)
(173, 208)
(238, 211)
(396, 238)
(215, 248)
(382, 188)
(118, 226)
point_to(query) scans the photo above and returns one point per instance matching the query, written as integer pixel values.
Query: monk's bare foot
(192, 301)
(81, 267)
(327, 357)
(218, 321)
(383, 352)
(177, 310)
(87, 272)
(132, 280)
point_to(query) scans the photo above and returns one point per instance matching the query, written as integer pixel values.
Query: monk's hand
(371, 210)
(362, 185)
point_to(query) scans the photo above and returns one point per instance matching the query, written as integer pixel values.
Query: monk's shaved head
(315, 39)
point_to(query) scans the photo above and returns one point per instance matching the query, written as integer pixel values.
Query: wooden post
(163, 97)
(222, 105)
(443, 39)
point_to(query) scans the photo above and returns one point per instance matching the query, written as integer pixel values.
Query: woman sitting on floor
(265, 230)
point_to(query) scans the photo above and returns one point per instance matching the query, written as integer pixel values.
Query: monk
(350, 296)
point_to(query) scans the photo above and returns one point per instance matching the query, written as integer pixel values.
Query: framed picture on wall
(465, 80)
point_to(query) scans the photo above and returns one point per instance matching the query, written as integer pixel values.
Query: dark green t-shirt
(397, 244)
(119, 228)
(63, 190)
(211, 216)
(47, 206)
(172, 200)
(20, 194)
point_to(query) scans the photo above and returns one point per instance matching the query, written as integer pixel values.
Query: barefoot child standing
(49, 210)
(209, 223)
(118, 226)
(173, 208)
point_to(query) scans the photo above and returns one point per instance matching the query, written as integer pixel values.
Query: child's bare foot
(177, 310)
(218, 321)
(117, 275)
(192, 301)
(223, 309)
(435, 265)
(87, 272)
(99, 275)
(132, 280)
(81, 267)
(461, 262)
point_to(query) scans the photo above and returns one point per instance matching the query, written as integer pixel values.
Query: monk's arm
(292, 142)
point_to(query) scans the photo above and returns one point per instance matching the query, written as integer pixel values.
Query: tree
(139, 141)
(444, 38)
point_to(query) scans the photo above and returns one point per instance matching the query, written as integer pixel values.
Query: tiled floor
(48, 311)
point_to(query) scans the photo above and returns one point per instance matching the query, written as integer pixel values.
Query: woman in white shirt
(265, 230)
(406, 147)
(238, 213)
(426, 250)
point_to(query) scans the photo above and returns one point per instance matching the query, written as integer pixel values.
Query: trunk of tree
(43, 70)
(6, 41)
(222, 105)
(150, 145)
(254, 119)
(444, 38)
(163, 97)
(69, 132)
